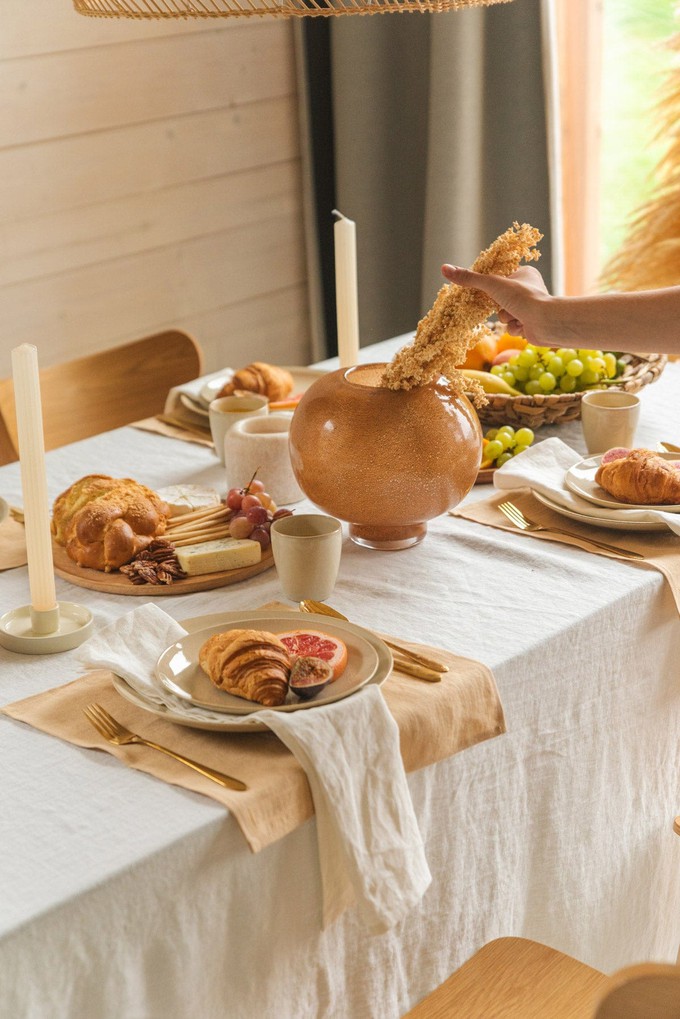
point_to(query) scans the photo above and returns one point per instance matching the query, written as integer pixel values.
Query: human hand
(521, 297)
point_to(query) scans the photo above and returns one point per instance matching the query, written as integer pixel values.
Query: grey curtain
(439, 144)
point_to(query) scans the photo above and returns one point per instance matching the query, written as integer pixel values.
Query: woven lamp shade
(259, 8)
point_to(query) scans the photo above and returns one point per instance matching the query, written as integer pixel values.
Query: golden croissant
(641, 477)
(248, 663)
(259, 377)
(104, 522)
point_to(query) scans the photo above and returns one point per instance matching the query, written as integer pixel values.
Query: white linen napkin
(370, 848)
(543, 468)
(174, 407)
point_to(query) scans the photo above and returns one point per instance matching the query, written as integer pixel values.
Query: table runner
(660, 548)
(435, 720)
(174, 431)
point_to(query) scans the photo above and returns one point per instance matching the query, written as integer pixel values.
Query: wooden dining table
(124, 896)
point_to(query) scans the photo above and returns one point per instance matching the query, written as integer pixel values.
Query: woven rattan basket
(556, 409)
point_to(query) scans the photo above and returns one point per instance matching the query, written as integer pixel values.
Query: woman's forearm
(646, 321)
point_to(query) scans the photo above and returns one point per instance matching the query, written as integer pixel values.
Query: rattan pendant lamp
(259, 8)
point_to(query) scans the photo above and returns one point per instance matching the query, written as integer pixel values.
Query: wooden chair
(104, 390)
(514, 978)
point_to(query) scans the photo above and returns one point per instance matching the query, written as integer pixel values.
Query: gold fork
(516, 517)
(416, 665)
(115, 733)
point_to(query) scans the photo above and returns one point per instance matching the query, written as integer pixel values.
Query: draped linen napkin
(12, 544)
(174, 407)
(434, 721)
(544, 470)
(370, 848)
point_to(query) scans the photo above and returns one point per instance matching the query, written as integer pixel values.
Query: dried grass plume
(457, 319)
(650, 254)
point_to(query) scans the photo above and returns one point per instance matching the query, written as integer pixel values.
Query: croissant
(104, 522)
(259, 377)
(248, 663)
(641, 477)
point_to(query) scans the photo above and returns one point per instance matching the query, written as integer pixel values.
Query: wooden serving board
(118, 583)
(485, 476)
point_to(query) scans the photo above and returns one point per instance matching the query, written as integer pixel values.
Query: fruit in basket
(488, 348)
(491, 383)
(541, 370)
(502, 444)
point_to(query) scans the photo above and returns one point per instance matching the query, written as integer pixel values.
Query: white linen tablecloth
(121, 896)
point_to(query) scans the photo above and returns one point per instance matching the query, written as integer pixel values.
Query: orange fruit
(482, 354)
(315, 644)
(509, 342)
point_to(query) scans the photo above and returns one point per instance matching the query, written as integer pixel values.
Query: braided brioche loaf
(248, 663)
(104, 522)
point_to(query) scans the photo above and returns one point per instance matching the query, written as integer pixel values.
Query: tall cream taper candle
(346, 290)
(34, 478)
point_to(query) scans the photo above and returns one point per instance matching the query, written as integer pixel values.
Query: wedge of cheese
(222, 554)
(185, 498)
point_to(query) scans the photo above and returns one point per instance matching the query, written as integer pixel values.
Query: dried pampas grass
(650, 255)
(456, 320)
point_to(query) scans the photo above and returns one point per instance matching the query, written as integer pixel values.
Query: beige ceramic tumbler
(609, 418)
(307, 551)
(227, 410)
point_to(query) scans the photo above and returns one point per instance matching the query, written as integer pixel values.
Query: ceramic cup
(226, 411)
(261, 444)
(307, 554)
(609, 418)
(4, 509)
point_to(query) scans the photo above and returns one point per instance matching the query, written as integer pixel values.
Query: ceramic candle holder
(386, 461)
(261, 444)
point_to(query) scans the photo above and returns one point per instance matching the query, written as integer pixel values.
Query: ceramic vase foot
(387, 537)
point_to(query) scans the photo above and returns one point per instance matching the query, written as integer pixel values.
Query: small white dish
(580, 479)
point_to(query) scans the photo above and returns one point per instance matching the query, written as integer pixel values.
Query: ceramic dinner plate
(617, 523)
(197, 717)
(302, 380)
(580, 479)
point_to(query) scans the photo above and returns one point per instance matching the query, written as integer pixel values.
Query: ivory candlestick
(33, 478)
(346, 290)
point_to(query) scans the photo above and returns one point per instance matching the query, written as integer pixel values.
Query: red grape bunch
(253, 512)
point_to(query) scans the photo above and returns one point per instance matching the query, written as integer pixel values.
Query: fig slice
(308, 676)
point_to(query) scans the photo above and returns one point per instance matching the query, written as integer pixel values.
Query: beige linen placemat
(435, 721)
(12, 544)
(661, 549)
(178, 431)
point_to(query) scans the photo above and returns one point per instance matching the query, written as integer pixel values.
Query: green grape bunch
(501, 444)
(535, 370)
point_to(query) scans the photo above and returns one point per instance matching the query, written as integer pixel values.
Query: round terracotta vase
(386, 461)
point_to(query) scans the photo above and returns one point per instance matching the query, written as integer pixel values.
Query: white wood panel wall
(150, 177)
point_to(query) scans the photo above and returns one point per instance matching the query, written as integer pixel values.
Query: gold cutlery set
(410, 662)
(516, 517)
(115, 733)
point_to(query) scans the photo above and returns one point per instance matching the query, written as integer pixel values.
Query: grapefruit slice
(315, 644)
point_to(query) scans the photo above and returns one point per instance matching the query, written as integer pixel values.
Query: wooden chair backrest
(104, 390)
(515, 978)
